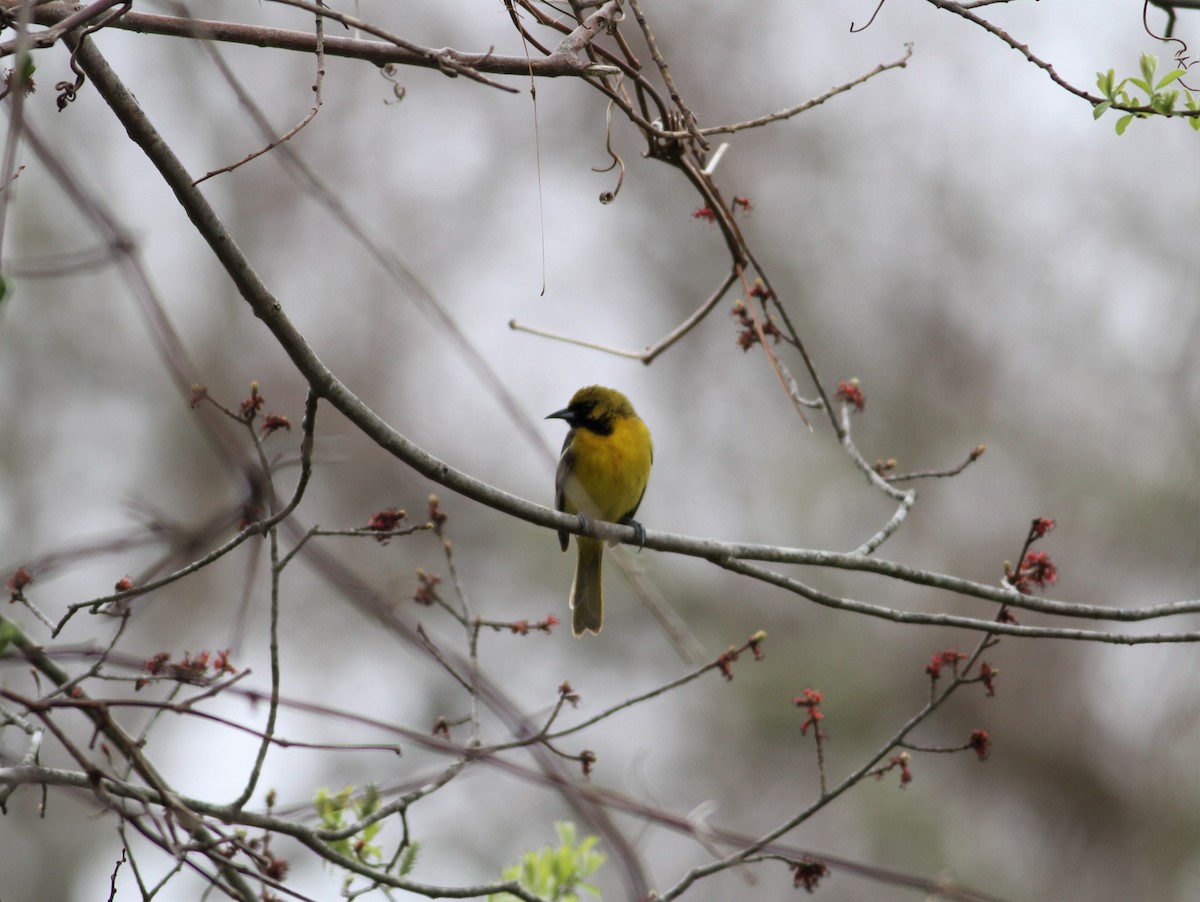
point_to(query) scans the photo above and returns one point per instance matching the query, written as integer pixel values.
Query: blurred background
(995, 266)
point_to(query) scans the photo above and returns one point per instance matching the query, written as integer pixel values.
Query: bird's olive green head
(595, 407)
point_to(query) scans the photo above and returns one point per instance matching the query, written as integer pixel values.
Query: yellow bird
(602, 475)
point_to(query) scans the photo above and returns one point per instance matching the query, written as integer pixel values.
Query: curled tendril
(389, 72)
(68, 91)
(1168, 37)
(607, 197)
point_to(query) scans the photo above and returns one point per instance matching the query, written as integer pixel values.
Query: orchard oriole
(602, 474)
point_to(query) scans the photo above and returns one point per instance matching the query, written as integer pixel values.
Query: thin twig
(788, 113)
(907, 499)
(974, 455)
(790, 387)
(828, 796)
(290, 133)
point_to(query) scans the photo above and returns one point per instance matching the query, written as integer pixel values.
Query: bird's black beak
(565, 414)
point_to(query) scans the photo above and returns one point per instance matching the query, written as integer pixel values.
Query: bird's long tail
(587, 604)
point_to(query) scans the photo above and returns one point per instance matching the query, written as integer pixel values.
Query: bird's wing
(566, 462)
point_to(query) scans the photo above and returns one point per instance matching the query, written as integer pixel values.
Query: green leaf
(1123, 123)
(1105, 81)
(1148, 63)
(1164, 103)
(1169, 77)
(556, 873)
(330, 808)
(1100, 109)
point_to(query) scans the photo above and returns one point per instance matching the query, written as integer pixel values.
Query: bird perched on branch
(602, 475)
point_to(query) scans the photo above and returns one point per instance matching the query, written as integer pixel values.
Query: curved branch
(648, 354)
(326, 385)
(954, 620)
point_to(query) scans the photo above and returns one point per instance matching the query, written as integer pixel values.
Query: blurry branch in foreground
(349, 833)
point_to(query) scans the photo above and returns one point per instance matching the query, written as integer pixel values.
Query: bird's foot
(639, 534)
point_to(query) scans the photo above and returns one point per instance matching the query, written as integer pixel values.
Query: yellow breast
(610, 472)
